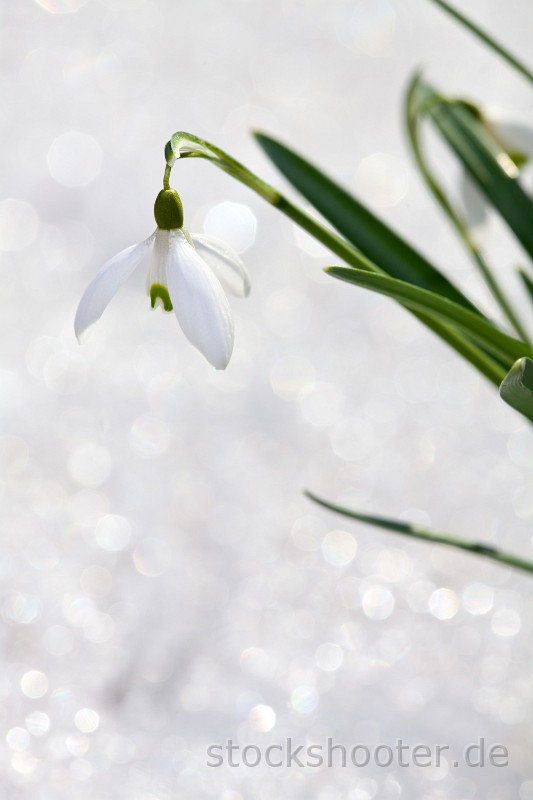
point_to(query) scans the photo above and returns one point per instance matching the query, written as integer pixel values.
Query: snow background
(164, 583)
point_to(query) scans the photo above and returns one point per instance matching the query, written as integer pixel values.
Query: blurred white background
(164, 583)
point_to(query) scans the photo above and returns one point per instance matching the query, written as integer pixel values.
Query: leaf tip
(260, 136)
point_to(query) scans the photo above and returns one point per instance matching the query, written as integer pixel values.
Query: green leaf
(354, 221)
(517, 387)
(486, 39)
(416, 532)
(527, 280)
(492, 339)
(418, 100)
(488, 165)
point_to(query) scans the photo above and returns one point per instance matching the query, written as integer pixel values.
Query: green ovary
(158, 292)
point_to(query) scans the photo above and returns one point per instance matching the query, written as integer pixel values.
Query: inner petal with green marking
(157, 275)
(160, 293)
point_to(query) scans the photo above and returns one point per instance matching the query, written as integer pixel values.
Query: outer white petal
(199, 302)
(106, 284)
(225, 263)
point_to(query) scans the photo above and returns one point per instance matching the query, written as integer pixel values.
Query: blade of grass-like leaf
(486, 39)
(494, 340)
(416, 532)
(417, 101)
(489, 166)
(527, 280)
(362, 228)
(517, 387)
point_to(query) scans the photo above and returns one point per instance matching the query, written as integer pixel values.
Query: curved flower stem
(186, 145)
(166, 177)
(486, 39)
(418, 99)
(415, 532)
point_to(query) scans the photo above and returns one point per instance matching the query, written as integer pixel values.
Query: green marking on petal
(158, 292)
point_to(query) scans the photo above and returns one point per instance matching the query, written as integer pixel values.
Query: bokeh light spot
(20, 608)
(304, 699)
(90, 464)
(38, 723)
(86, 720)
(292, 378)
(262, 718)
(74, 159)
(372, 25)
(96, 580)
(19, 224)
(233, 223)
(382, 179)
(443, 603)
(477, 598)
(339, 548)
(329, 656)
(34, 684)
(18, 739)
(377, 603)
(61, 6)
(113, 532)
(506, 622)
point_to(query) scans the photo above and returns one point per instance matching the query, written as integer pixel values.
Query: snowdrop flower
(515, 136)
(188, 274)
(516, 140)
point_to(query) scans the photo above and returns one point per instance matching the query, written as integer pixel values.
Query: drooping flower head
(187, 274)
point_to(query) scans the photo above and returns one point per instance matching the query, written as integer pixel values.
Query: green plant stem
(186, 145)
(486, 39)
(415, 532)
(419, 97)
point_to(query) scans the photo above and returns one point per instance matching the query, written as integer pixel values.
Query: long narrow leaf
(362, 228)
(486, 39)
(527, 280)
(488, 165)
(494, 340)
(416, 532)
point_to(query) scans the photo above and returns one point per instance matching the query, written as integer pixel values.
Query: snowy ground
(165, 586)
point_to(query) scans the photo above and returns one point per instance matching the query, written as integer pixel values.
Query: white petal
(225, 263)
(512, 133)
(158, 259)
(199, 301)
(106, 284)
